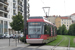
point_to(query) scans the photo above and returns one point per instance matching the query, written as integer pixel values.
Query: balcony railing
(20, 10)
(4, 2)
(20, 4)
(14, 7)
(14, 1)
(4, 10)
(14, 14)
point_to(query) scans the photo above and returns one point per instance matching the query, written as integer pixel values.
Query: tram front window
(34, 28)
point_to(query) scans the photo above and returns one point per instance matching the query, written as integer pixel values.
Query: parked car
(21, 35)
(7, 36)
(15, 36)
(2, 36)
(11, 35)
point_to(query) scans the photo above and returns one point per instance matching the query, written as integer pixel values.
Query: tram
(40, 30)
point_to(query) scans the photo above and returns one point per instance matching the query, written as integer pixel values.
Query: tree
(64, 30)
(72, 29)
(18, 23)
(59, 31)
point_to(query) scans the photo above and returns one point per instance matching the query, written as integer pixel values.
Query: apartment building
(67, 21)
(52, 19)
(9, 8)
(16, 6)
(58, 22)
(73, 17)
(4, 16)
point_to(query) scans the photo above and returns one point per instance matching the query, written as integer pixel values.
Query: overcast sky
(57, 7)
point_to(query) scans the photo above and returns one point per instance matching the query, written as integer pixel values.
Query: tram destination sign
(38, 23)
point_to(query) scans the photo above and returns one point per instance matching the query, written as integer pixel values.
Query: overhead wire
(64, 7)
(43, 2)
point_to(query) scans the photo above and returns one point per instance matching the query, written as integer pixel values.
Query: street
(4, 45)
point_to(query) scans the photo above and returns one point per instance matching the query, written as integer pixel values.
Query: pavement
(22, 46)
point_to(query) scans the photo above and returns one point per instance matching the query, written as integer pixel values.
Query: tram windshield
(34, 28)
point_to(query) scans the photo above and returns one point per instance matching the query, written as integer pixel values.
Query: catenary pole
(25, 17)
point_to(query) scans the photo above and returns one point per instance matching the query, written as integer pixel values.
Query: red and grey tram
(40, 30)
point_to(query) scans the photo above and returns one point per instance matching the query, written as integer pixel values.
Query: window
(46, 29)
(62, 19)
(1, 22)
(62, 22)
(5, 27)
(14, 13)
(67, 25)
(34, 28)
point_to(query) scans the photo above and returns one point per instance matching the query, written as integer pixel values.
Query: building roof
(73, 14)
(65, 17)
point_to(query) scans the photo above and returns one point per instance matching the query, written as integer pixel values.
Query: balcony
(21, 0)
(20, 10)
(14, 14)
(14, 7)
(14, 1)
(20, 4)
(5, 2)
(5, 15)
(4, 10)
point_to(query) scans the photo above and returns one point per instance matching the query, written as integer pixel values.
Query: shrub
(23, 39)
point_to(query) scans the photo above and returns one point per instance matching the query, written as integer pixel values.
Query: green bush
(23, 39)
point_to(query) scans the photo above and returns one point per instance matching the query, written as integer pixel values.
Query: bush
(23, 39)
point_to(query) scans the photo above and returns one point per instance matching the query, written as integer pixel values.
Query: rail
(68, 48)
(57, 44)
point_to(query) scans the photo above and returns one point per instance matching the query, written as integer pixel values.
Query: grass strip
(55, 42)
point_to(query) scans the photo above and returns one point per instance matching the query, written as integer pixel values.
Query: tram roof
(36, 17)
(41, 17)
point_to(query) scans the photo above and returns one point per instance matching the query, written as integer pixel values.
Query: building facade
(52, 19)
(9, 8)
(4, 17)
(58, 22)
(16, 6)
(73, 17)
(67, 21)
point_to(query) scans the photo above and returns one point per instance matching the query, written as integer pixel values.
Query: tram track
(57, 44)
(68, 47)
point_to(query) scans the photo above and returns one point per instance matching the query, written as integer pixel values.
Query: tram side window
(46, 29)
(50, 30)
(53, 30)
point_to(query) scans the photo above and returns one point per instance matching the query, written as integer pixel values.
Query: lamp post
(25, 17)
(46, 13)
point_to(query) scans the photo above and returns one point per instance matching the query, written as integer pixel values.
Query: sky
(57, 7)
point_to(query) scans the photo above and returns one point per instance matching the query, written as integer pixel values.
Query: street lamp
(25, 17)
(46, 12)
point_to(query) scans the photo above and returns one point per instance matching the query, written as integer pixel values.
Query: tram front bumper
(34, 41)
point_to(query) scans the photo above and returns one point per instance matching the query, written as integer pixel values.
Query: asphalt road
(5, 42)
